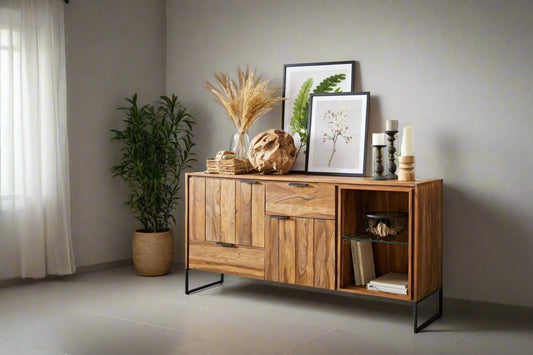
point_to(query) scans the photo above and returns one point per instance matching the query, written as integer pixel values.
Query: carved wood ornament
(272, 151)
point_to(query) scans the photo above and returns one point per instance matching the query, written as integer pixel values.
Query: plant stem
(334, 150)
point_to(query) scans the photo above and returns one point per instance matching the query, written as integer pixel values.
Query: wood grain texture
(243, 214)
(197, 208)
(271, 249)
(304, 252)
(324, 254)
(312, 201)
(227, 211)
(427, 227)
(187, 216)
(359, 182)
(258, 215)
(287, 251)
(286, 256)
(242, 261)
(212, 210)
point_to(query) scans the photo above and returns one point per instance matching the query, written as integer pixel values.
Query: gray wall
(459, 71)
(114, 49)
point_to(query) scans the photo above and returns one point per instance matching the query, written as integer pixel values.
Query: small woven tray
(228, 166)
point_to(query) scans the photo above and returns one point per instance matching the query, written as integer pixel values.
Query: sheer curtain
(35, 235)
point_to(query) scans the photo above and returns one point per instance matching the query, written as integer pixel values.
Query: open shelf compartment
(390, 255)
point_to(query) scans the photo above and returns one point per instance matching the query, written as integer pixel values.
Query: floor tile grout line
(449, 347)
(313, 341)
(136, 321)
(33, 345)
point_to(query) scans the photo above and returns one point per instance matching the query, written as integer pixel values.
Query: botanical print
(302, 80)
(337, 128)
(337, 133)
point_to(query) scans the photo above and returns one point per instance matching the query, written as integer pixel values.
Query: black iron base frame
(189, 291)
(417, 328)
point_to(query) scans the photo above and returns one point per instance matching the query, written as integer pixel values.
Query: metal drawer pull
(248, 181)
(227, 245)
(299, 184)
(279, 217)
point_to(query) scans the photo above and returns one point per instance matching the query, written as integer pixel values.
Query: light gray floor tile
(516, 342)
(117, 312)
(91, 334)
(12, 347)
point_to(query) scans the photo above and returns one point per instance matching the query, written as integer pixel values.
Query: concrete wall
(459, 71)
(114, 49)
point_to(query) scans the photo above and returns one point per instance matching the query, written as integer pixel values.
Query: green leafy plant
(156, 148)
(300, 113)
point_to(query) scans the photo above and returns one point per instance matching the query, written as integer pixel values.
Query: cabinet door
(300, 251)
(226, 226)
(227, 210)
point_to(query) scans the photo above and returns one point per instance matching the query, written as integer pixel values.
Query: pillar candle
(378, 138)
(408, 147)
(391, 125)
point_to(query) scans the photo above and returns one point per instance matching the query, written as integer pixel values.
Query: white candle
(391, 125)
(378, 138)
(408, 147)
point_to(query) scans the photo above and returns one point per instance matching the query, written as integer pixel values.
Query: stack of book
(363, 262)
(392, 282)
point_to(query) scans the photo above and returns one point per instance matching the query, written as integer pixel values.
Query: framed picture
(338, 125)
(301, 80)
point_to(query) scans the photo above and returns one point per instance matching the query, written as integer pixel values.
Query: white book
(391, 280)
(387, 289)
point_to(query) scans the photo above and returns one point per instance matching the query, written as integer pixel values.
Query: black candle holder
(377, 173)
(391, 149)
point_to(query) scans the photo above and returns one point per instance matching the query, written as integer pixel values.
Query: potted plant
(156, 148)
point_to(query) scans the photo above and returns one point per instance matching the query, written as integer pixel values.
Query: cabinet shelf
(368, 238)
(364, 291)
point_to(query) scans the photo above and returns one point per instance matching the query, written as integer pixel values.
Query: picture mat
(295, 76)
(349, 157)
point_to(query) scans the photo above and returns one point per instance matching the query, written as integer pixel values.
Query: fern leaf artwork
(300, 114)
(328, 84)
(298, 121)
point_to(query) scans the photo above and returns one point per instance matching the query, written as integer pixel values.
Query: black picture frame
(341, 120)
(294, 75)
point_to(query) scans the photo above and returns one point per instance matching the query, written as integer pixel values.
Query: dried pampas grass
(246, 100)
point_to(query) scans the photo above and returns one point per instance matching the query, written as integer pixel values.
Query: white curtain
(35, 235)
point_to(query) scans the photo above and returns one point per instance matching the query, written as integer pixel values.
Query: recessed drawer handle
(248, 181)
(298, 184)
(279, 217)
(227, 245)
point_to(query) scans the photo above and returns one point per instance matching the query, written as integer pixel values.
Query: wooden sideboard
(296, 229)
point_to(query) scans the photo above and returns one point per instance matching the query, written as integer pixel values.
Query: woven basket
(229, 166)
(152, 253)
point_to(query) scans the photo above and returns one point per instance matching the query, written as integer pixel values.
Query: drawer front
(236, 260)
(311, 200)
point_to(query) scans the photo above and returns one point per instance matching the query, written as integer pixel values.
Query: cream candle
(378, 138)
(408, 147)
(391, 125)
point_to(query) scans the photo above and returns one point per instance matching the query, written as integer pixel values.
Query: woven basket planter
(152, 253)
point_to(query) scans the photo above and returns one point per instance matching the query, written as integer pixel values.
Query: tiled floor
(116, 312)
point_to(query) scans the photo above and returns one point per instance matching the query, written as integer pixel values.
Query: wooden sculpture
(272, 151)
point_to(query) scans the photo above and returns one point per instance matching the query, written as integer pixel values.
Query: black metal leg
(188, 292)
(418, 328)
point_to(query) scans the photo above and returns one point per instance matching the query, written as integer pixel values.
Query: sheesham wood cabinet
(297, 228)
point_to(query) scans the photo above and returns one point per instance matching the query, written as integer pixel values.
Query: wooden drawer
(236, 260)
(311, 200)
